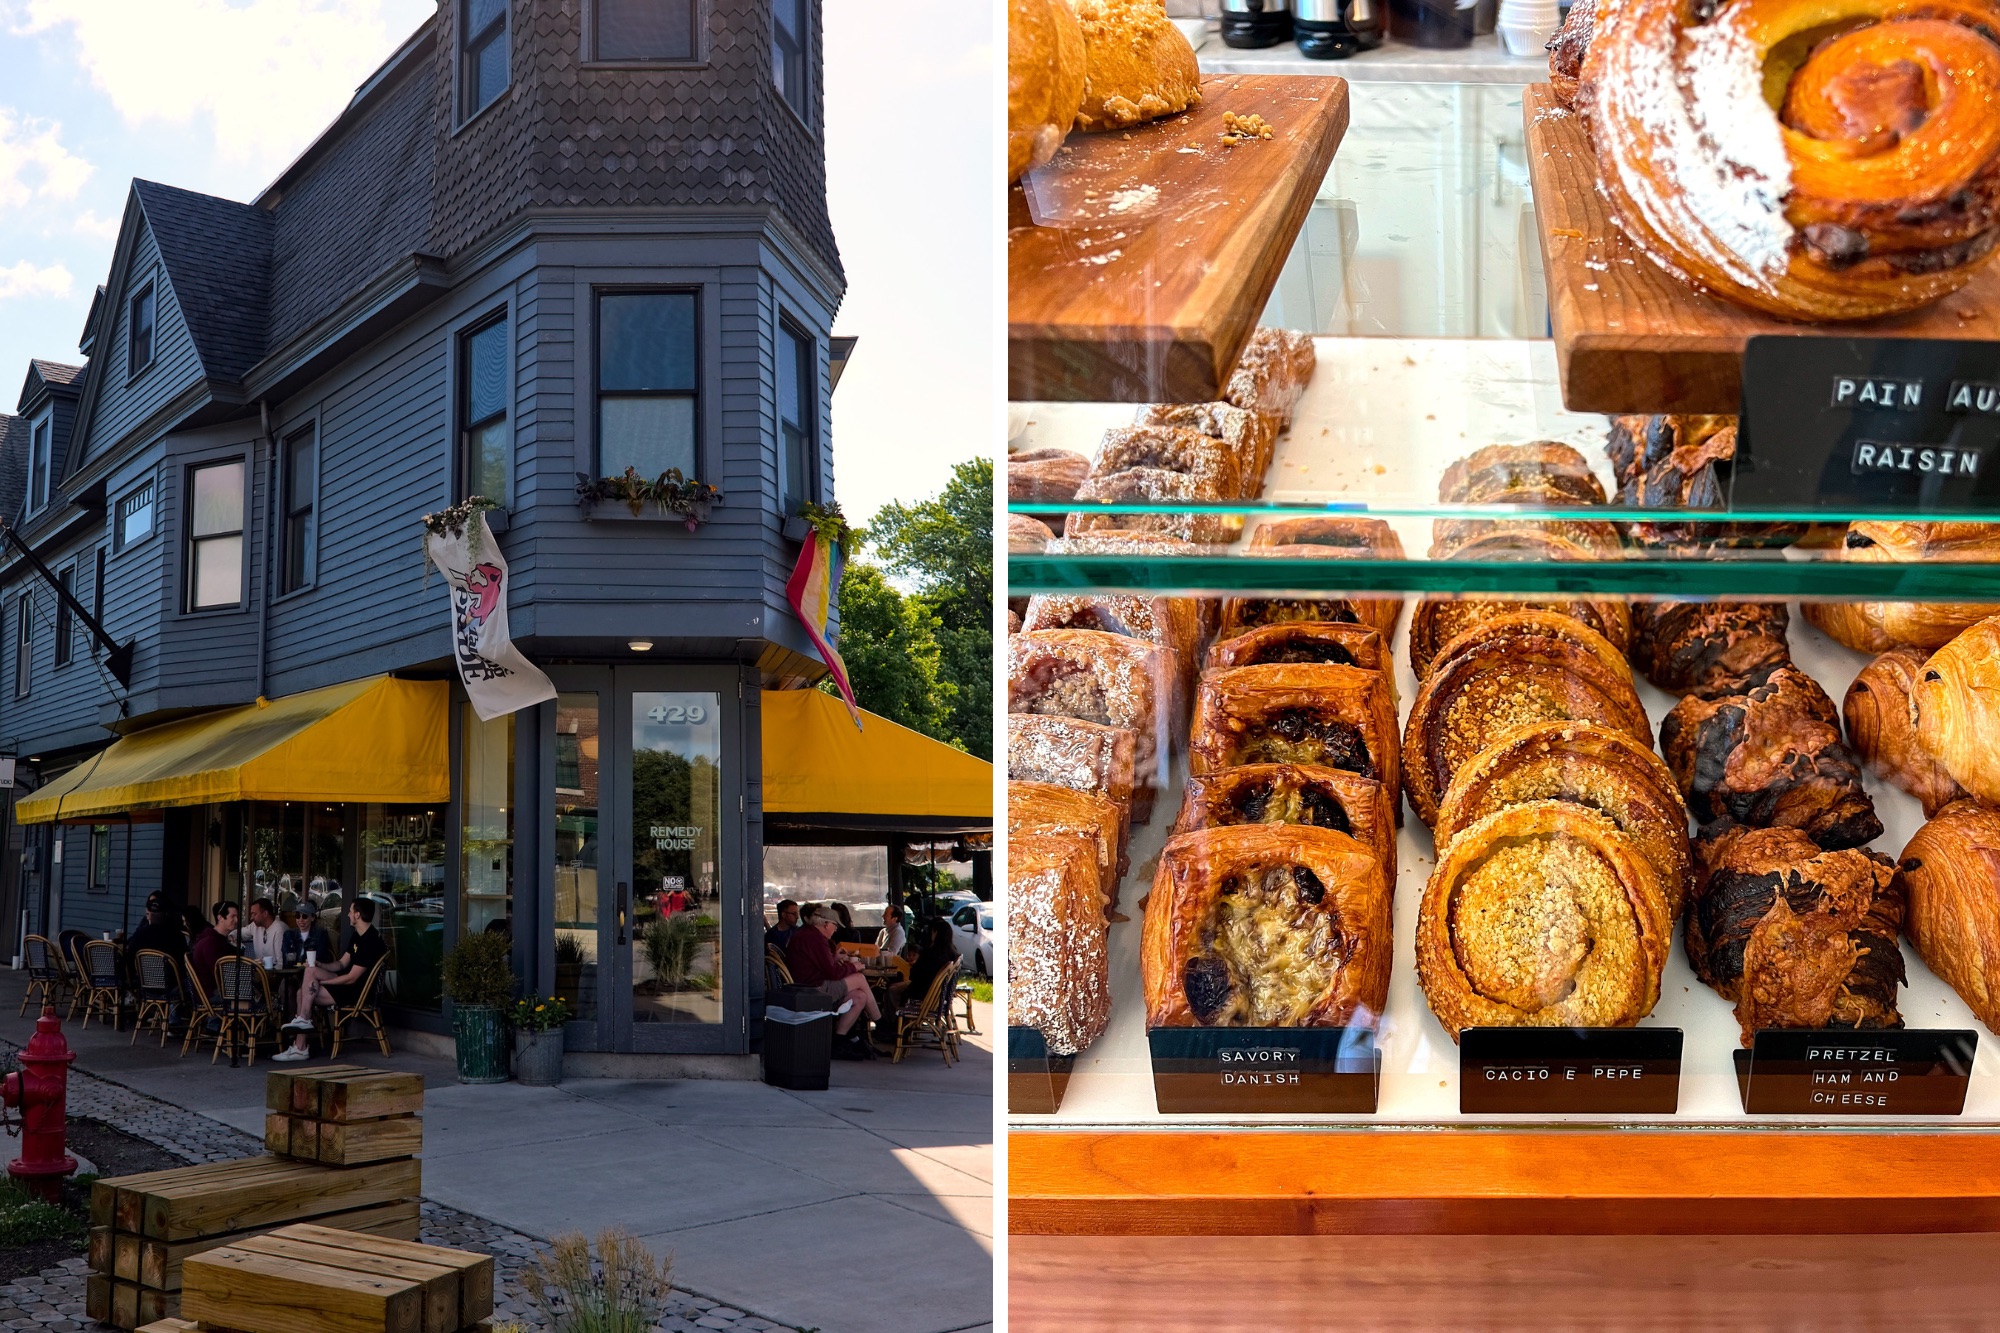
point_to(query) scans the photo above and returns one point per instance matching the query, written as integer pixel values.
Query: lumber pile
(361, 1178)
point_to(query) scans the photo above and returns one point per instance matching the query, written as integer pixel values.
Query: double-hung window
(215, 536)
(24, 644)
(789, 44)
(643, 30)
(482, 47)
(139, 332)
(41, 463)
(486, 436)
(135, 516)
(301, 482)
(100, 859)
(647, 403)
(65, 621)
(798, 415)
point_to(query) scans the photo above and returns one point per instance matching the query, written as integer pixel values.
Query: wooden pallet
(310, 1279)
(343, 1115)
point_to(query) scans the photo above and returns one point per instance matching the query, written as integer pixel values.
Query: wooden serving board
(1138, 260)
(1631, 337)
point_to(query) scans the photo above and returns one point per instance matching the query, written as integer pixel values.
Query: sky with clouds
(218, 95)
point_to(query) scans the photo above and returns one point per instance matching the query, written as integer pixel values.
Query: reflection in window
(215, 536)
(676, 855)
(100, 858)
(798, 414)
(301, 478)
(483, 53)
(576, 853)
(139, 333)
(403, 871)
(486, 787)
(487, 440)
(644, 29)
(646, 396)
(788, 52)
(135, 516)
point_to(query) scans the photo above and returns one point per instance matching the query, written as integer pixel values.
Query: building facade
(548, 241)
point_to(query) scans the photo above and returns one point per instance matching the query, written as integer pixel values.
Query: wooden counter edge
(1502, 1181)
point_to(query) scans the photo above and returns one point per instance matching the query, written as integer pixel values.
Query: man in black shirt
(337, 983)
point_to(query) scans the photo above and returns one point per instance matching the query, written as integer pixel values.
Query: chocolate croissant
(1709, 649)
(1103, 678)
(1266, 925)
(1796, 936)
(1436, 620)
(1950, 878)
(1882, 731)
(1294, 794)
(1697, 476)
(1956, 701)
(1771, 757)
(1636, 444)
(1543, 914)
(1058, 943)
(1330, 716)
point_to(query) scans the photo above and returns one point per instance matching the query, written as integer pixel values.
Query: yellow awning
(816, 763)
(368, 740)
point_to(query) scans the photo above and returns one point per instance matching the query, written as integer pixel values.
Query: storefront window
(857, 876)
(676, 794)
(402, 872)
(576, 853)
(486, 781)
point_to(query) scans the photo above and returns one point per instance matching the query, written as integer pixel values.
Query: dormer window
(139, 333)
(790, 39)
(482, 54)
(41, 463)
(643, 31)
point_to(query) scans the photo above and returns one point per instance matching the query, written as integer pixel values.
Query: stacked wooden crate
(145, 1228)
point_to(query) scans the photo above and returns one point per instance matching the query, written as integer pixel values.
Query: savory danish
(1295, 794)
(1157, 486)
(1210, 461)
(1082, 756)
(1925, 624)
(1272, 373)
(1950, 879)
(1709, 648)
(1252, 435)
(1956, 703)
(1542, 915)
(1319, 539)
(1338, 643)
(1169, 622)
(1059, 959)
(1599, 768)
(1796, 936)
(1436, 620)
(1478, 693)
(1049, 476)
(1771, 757)
(1266, 925)
(1042, 807)
(1332, 716)
(1103, 678)
(1881, 729)
(1137, 64)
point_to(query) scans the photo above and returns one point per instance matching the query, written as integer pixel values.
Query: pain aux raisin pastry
(1168, 622)
(1709, 649)
(1436, 620)
(1542, 914)
(1923, 624)
(1044, 475)
(1796, 936)
(1266, 926)
(1534, 667)
(1882, 729)
(1328, 716)
(1083, 756)
(1949, 876)
(1338, 643)
(1956, 703)
(1272, 373)
(1059, 962)
(1542, 475)
(1041, 807)
(1319, 539)
(1103, 678)
(1583, 764)
(1696, 476)
(1295, 794)
(1252, 436)
(1771, 757)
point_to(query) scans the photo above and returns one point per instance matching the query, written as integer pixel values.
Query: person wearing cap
(156, 930)
(812, 961)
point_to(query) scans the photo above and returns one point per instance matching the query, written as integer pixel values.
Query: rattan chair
(927, 1021)
(200, 1012)
(155, 993)
(103, 988)
(963, 991)
(243, 1001)
(363, 1010)
(776, 973)
(49, 976)
(70, 945)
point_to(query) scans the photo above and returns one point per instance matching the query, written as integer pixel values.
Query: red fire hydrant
(39, 1092)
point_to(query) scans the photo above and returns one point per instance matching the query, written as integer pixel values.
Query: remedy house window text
(215, 536)
(301, 480)
(647, 403)
(486, 437)
(482, 63)
(644, 31)
(139, 333)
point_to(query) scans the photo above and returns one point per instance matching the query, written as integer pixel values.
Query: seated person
(893, 937)
(779, 936)
(213, 945)
(305, 936)
(158, 929)
(337, 983)
(937, 952)
(265, 935)
(847, 934)
(812, 962)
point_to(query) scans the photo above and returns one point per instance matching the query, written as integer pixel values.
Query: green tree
(890, 645)
(944, 547)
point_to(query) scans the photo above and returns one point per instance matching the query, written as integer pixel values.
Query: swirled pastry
(1103, 678)
(1882, 731)
(1137, 65)
(1058, 942)
(1437, 620)
(1477, 694)
(1796, 936)
(1542, 915)
(1546, 475)
(1082, 756)
(1266, 925)
(1295, 794)
(1956, 702)
(1924, 624)
(1330, 716)
(1709, 648)
(1813, 163)
(1599, 768)
(1319, 539)
(1044, 80)
(1950, 878)
(1042, 807)
(1771, 757)
(1856, 625)
(1251, 435)
(1272, 373)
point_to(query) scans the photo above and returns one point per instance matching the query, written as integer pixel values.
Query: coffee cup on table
(312, 957)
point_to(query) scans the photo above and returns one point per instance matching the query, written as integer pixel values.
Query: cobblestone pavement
(52, 1300)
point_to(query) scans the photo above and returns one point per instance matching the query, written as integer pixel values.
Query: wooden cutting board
(1630, 337)
(1139, 260)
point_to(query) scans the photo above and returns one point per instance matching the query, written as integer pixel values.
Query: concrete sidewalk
(866, 1208)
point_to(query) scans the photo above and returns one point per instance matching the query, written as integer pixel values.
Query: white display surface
(1421, 405)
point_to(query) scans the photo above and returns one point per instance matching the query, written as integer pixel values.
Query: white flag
(498, 679)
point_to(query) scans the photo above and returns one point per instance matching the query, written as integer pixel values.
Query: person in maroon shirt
(212, 946)
(812, 961)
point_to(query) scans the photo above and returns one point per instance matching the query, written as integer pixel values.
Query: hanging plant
(458, 521)
(830, 523)
(672, 492)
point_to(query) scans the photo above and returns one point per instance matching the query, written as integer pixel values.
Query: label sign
(1259, 1071)
(1554, 1071)
(1036, 1080)
(1907, 424)
(1901, 1071)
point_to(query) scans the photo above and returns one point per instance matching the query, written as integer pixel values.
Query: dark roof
(218, 258)
(57, 372)
(13, 465)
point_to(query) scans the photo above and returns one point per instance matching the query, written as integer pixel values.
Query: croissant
(1319, 539)
(1879, 726)
(1709, 648)
(1295, 794)
(1058, 943)
(1082, 756)
(1924, 624)
(1097, 677)
(1250, 434)
(1542, 915)
(1853, 625)
(1439, 619)
(1331, 716)
(1956, 702)
(1042, 807)
(1771, 757)
(1796, 936)
(1811, 163)
(1266, 925)
(1595, 767)
(1477, 694)
(1950, 879)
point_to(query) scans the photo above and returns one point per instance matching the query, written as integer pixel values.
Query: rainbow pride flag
(813, 591)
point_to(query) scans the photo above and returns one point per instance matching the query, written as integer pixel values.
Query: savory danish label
(1561, 1071)
(1257, 1071)
(1841, 1072)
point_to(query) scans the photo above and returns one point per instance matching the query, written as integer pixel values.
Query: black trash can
(798, 1038)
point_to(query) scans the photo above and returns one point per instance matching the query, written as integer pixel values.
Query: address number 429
(677, 713)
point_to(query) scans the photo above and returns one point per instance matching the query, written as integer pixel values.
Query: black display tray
(1036, 1079)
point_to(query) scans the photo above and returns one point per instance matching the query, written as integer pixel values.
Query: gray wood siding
(122, 403)
(207, 657)
(101, 911)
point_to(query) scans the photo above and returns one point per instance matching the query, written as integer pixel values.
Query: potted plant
(670, 943)
(480, 981)
(538, 1040)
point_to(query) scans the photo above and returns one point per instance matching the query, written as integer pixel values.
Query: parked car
(973, 930)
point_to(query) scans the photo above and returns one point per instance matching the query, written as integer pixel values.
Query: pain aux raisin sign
(1907, 425)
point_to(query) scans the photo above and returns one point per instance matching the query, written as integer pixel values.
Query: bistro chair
(363, 1010)
(69, 945)
(103, 989)
(49, 976)
(963, 991)
(775, 972)
(927, 1021)
(200, 1012)
(243, 1000)
(155, 995)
